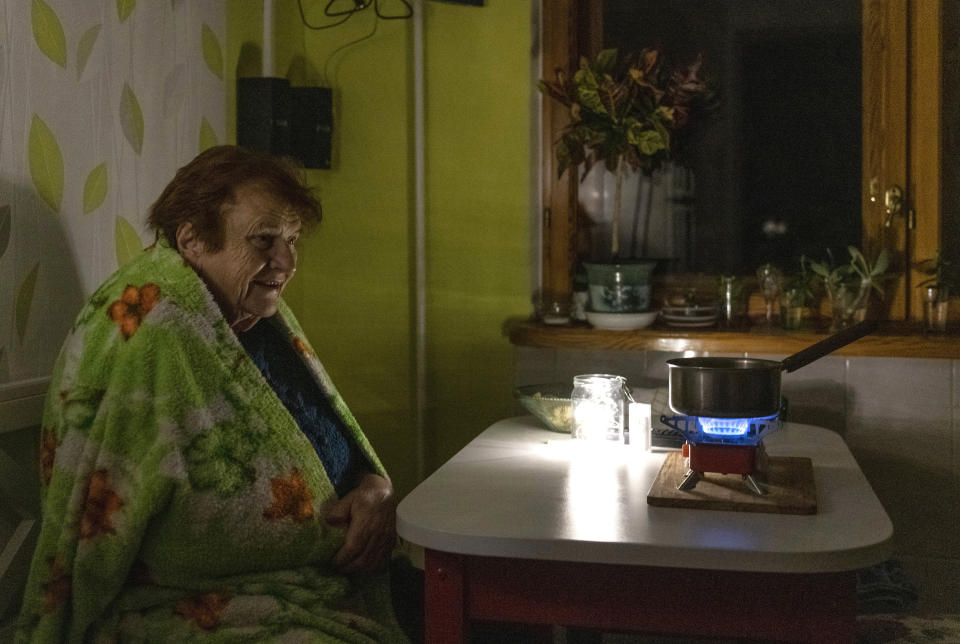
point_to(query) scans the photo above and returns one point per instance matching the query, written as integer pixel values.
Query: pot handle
(831, 343)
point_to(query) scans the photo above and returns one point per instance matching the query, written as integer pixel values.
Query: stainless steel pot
(744, 387)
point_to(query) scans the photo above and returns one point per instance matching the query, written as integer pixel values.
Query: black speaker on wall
(311, 125)
(263, 114)
(274, 117)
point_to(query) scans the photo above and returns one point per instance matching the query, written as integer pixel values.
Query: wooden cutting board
(788, 482)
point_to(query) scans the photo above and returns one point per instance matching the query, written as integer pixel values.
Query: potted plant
(849, 285)
(623, 113)
(937, 289)
(800, 293)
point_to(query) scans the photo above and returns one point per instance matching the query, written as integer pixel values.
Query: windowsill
(893, 339)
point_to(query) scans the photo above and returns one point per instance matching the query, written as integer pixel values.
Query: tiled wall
(900, 417)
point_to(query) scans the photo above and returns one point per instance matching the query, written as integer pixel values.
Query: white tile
(657, 364)
(816, 393)
(892, 399)
(629, 364)
(765, 356)
(899, 417)
(534, 366)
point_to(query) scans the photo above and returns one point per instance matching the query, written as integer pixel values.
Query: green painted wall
(354, 289)
(478, 178)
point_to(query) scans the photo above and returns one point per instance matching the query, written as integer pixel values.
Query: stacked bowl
(690, 316)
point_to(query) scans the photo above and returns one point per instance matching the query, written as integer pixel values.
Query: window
(899, 134)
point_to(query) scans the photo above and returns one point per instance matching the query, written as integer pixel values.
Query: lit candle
(598, 401)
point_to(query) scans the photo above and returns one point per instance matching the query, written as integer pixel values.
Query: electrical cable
(303, 19)
(409, 14)
(358, 5)
(326, 76)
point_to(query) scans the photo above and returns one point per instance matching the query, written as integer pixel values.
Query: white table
(527, 525)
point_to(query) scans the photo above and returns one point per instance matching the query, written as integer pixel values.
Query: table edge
(856, 557)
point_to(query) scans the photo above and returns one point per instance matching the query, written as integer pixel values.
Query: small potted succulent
(937, 289)
(849, 285)
(800, 293)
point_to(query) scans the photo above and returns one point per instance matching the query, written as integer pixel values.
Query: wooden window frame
(902, 61)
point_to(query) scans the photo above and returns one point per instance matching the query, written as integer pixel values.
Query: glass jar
(555, 309)
(848, 303)
(792, 309)
(770, 280)
(598, 401)
(935, 305)
(733, 304)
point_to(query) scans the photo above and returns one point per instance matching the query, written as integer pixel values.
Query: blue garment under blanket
(290, 379)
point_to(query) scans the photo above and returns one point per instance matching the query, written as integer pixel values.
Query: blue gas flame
(725, 426)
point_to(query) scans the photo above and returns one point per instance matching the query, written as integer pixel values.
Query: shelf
(896, 340)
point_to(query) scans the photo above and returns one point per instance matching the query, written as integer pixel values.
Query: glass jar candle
(598, 401)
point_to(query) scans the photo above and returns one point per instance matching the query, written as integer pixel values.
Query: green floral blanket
(181, 502)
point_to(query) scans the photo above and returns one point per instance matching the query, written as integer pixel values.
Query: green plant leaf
(131, 118)
(24, 300)
(587, 87)
(127, 241)
(880, 266)
(819, 269)
(208, 138)
(85, 47)
(606, 60)
(46, 163)
(650, 142)
(125, 8)
(4, 228)
(48, 32)
(212, 54)
(95, 188)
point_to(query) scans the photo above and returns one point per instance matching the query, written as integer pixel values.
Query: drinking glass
(934, 310)
(771, 282)
(732, 302)
(792, 309)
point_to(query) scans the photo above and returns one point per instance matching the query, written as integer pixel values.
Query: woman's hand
(368, 512)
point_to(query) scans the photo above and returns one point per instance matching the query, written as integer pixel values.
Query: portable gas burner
(723, 446)
(728, 405)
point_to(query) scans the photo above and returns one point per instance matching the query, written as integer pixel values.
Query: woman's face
(258, 257)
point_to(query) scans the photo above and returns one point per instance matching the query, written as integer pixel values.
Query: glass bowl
(550, 403)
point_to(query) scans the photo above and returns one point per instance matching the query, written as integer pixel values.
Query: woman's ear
(189, 245)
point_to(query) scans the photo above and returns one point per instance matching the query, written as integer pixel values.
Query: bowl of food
(550, 403)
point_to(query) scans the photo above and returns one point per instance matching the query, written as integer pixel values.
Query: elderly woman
(202, 479)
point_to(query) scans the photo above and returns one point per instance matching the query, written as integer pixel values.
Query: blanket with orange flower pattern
(181, 502)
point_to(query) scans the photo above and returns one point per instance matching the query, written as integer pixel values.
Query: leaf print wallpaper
(100, 102)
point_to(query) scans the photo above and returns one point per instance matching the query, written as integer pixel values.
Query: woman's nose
(284, 256)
